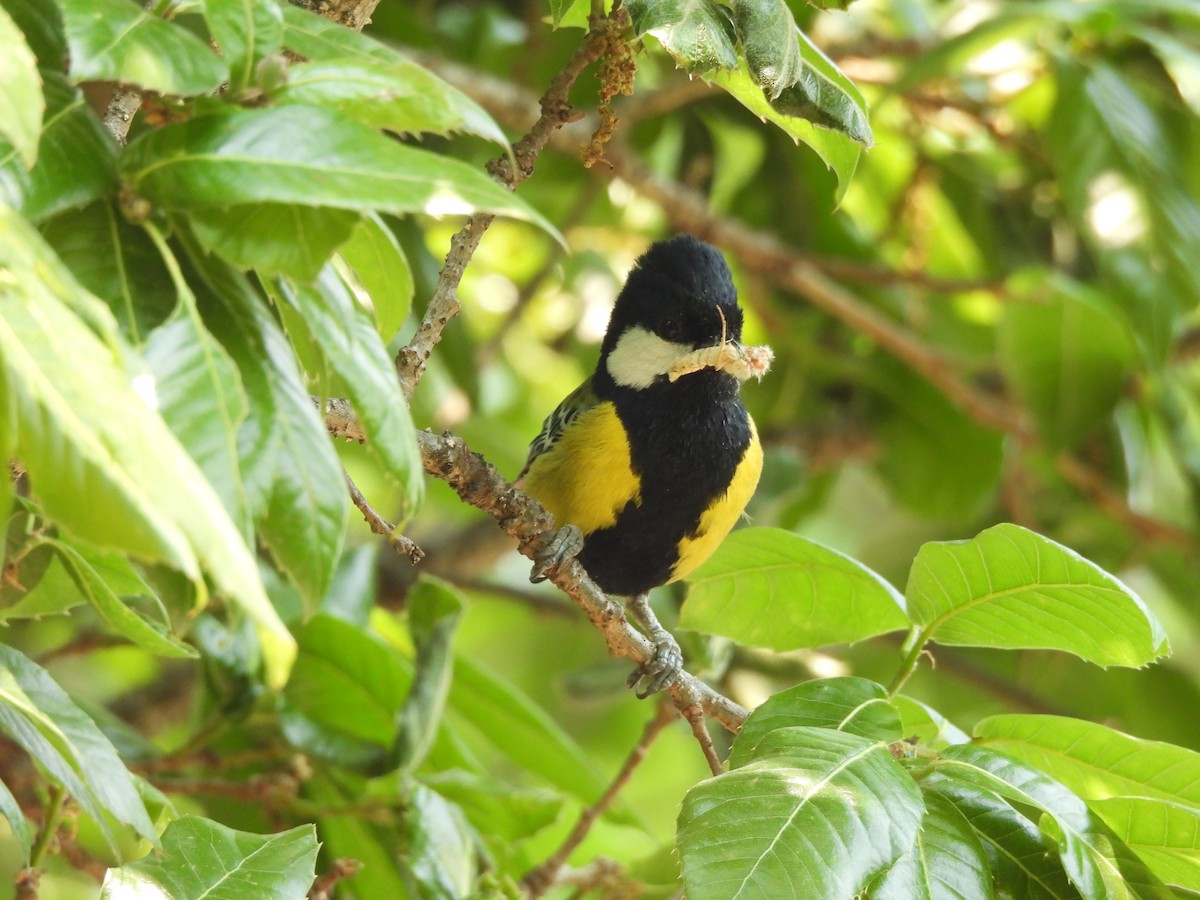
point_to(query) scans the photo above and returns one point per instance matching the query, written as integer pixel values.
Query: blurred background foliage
(1028, 219)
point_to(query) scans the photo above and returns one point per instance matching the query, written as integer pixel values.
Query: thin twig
(403, 545)
(556, 111)
(341, 868)
(539, 879)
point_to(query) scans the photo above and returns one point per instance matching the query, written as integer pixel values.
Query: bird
(651, 461)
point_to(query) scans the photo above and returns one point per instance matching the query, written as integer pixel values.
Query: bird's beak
(740, 362)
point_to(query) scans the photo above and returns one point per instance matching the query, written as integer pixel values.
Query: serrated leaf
(947, 863)
(1009, 587)
(1165, 835)
(116, 40)
(37, 714)
(245, 31)
(431, 104)
(382, 270)
(1016, 850)
(274, 238)
(839, 152)
(772, 588)
(354, 351)
(1097, 862)
(74, 157)
(202, 858)
(850, 704)
(21, 101)
(697, 33)
(309, 156)
(112, 609)
(117, 262)
(796, 78)
(102, 461)
(820, 819)
(1066, 354)
(1096, 761)
(291, 476)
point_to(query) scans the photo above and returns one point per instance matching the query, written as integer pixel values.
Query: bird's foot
(564, 546)
(660, 671)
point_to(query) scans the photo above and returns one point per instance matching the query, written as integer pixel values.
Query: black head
(675, 290)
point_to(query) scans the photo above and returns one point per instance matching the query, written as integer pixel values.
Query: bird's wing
(579, 400)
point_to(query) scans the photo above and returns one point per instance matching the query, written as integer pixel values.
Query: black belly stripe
(686, 441)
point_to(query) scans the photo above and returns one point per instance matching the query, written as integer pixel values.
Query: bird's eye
(670, 329)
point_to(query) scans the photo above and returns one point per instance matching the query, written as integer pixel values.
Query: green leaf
(821, 818)
(41, 25)
(1009, 587)
(697, 33)
(424, 101)
(200, 396)
(771, 588)
(1098, 864)
(926, 724)
(947, 863)
(1096, 761)
(246, 31)
(102, 461)
(382, 270)
(74, 157)
(1014, 845)
(80, 566)
(117, 262)
(523, 731)
(274, 238)
(1066, 354)
(309, 156)
(1165, 835)
(37, 714)
(495, 808)
(46, 588)
(356, 353)
(796, 77)
(839, 152)
(439, 852)
(21, 829)
(291, 476)
(850, 704)
(116, 40)
(347, 681)
(21, 101)
(202, 858)
(434, 610)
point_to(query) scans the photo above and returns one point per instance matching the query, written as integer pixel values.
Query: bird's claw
(564, 546)
(660, 671)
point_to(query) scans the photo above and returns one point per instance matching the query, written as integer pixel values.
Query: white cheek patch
(641, 356)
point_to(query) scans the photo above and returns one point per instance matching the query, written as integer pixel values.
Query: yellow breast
(722, 515)
(587, 477)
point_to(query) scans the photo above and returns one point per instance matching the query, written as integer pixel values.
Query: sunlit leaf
(305, 155)
(1165, 835)
(116, 40)
(246, 31)
(381, 268)
(202, 858)
(697, 33)
(21, 101)
(1010, 587)
(37, 714)
(771, 588)
(819, 813)
(426, 102)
